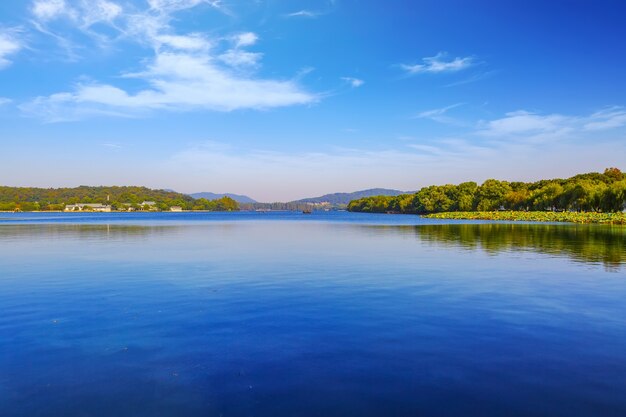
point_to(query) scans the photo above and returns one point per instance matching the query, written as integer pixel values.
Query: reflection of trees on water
(585, 243)
(101, 231)
(80, 231)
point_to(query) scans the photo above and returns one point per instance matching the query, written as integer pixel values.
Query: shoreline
(109, 212)
(618, 219)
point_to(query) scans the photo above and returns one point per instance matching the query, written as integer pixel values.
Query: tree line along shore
(86, 198)
(584, 198)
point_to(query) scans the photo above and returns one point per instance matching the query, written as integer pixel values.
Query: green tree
(466, 193)
(491, 195)
(547, 197)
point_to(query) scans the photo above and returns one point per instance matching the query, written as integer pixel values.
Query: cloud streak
(304, 13)
(609, 118)
(9, 45)
(532, 126)
(439, 64)
(439, 115)
(353, 82)
(169, 6)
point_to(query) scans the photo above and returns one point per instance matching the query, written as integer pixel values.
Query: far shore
(527, 216)
(112, 211)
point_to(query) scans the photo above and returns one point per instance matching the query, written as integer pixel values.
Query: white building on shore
(88, 207)
(149, 205)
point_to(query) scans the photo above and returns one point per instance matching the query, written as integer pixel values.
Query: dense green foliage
(535, 216)
(216, 196)
(593, 192)
(221, 204)
(120, 198)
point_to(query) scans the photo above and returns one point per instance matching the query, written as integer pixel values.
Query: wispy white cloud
(439, 64)
(439, 115)
(51, 9)
(83, 15)
(5, 101)
(9, 45)
(609, 118)
(178, 82)
(191, 42)
(304, 13)
(169, 6)
(100, 11)
(191, 71)
(354, 82)
(529, 127)
(532, 126)
(428, 149)
(245, 39)
(521, 122)
(112, 146)
(238, 57)
(83, 12)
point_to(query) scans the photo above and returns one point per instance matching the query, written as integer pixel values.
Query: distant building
(88, 207)
(149, 205)
(176, 208)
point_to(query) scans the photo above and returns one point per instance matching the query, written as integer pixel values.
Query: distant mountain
(213, 196)
(345, 198)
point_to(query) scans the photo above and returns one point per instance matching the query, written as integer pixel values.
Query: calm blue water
(160, 218)
(332, 314)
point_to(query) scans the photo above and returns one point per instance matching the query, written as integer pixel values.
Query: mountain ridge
(345, 198)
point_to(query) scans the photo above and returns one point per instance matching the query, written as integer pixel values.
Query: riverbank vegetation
(535, 216)
(591, 192)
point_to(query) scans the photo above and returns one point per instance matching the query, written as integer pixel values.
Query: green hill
(29, 198)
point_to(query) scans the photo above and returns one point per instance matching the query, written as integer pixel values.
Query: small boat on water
(307, 211)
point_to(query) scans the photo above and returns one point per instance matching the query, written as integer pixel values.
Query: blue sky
(288, 99)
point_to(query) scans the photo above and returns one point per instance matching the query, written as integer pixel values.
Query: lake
(329, 314)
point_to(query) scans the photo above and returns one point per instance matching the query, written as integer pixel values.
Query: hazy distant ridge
(345, 198)
(213, 196)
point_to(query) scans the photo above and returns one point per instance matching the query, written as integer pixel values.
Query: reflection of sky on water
(584, 243)
(289, 318)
